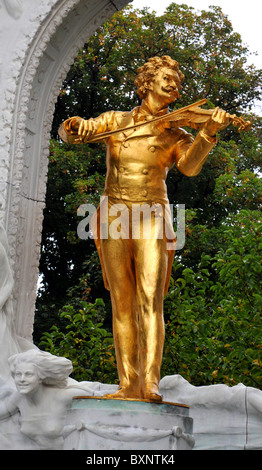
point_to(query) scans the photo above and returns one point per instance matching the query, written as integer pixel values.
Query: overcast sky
(246, 18)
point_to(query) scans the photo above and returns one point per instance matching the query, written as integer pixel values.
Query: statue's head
(149, 71)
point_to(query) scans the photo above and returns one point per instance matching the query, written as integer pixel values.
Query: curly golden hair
(147, 72)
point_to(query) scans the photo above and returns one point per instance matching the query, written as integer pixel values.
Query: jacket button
(145, 172)
(144, 193)
(152, 148)
(121, 169)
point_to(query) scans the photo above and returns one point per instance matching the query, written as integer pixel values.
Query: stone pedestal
(108, 424)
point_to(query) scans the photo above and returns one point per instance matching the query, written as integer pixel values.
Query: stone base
(95, 423)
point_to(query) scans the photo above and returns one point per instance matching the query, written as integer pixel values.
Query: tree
(214, 61)
(84, 340)
(214, 309)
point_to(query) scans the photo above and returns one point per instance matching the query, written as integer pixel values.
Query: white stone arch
(41, 40)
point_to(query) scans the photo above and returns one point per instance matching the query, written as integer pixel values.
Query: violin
(192, 116)
(195, 117)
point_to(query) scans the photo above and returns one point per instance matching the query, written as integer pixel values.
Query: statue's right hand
(86, 129)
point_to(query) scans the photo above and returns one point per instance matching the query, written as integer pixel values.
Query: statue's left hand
(219, 120)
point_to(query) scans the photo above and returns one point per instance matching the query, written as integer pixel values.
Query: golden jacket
(138, 160)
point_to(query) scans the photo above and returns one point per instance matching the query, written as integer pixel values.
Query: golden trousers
(136, 272)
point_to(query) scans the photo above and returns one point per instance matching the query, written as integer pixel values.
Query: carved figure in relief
(142, 146)
(8, 343)
(43, 396)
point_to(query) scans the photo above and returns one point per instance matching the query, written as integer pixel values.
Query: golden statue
(142, 146)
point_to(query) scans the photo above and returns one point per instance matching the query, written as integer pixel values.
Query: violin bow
(165, 117)
(169, 117)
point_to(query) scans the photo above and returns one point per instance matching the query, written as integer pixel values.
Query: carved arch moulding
(39, 41)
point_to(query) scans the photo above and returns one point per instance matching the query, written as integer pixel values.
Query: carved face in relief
(26, 378)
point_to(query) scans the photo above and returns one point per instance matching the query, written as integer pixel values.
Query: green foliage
(211, 55)
(213, 308)
(214, 311)
(85, 342)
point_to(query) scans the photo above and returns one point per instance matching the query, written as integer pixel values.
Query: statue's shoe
(154, 397)
(151, 393)
(123, 393)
